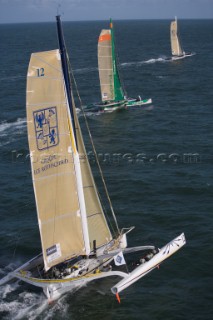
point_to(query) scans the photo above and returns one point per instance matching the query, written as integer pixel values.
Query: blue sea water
(157, 162)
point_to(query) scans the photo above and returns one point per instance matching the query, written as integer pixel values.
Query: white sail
(175, 42)
(105, 65)
(54, 161)
(97, 225)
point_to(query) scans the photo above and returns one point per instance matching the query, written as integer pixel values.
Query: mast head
(110, 23)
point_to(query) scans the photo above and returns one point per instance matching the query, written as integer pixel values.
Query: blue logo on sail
(46, 128)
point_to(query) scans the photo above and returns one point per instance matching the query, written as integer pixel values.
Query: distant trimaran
(78, 245)
(176, 47)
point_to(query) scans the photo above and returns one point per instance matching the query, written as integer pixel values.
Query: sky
(13, 11)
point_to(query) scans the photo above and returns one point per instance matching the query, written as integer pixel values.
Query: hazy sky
(71, 10)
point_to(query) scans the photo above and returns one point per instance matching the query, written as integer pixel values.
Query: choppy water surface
(157, 161)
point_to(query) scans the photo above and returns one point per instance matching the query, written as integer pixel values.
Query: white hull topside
(100, 267)
(185, 55)
(136, 102)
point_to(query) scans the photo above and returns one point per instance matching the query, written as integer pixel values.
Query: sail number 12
(40, 72)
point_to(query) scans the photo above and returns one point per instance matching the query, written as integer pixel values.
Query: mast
(63, 53)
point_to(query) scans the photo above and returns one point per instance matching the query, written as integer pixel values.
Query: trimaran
(78, 244)
(113, 94)
(176, 47)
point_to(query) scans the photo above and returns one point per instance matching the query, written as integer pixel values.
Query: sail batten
(53, 175)
(37, 104)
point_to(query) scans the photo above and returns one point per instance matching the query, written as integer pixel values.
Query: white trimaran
(77, 244)
(176, 48)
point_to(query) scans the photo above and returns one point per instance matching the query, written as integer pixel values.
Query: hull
(107, 107)
(185, 55)
(54, 288)
(114, 106)
(66, 279)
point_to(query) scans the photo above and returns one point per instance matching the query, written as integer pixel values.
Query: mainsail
(105, 66)
(175, 42)
(111, 88)
(52, 148)
(53, 153)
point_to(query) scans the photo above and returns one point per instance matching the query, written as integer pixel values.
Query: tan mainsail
(97, 225)
(52, 150)
(105, 66)
(175, 42)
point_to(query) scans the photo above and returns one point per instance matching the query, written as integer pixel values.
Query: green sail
(118, 90)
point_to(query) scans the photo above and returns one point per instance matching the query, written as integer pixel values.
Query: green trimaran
(113, 94)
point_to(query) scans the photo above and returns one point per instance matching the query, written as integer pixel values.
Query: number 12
(40, 72)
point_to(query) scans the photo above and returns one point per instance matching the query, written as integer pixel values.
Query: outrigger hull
(147, 266)
(136, 102)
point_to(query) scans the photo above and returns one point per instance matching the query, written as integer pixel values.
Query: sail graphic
(52, 150)
(175, 42)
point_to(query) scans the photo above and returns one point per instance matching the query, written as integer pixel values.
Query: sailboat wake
(160, 59)
(15, 305)
(8, 130)
(85, 70)
(149, 61)
(18, 124)
(30, 305)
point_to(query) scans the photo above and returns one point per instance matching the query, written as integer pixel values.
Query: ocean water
(157, 162)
